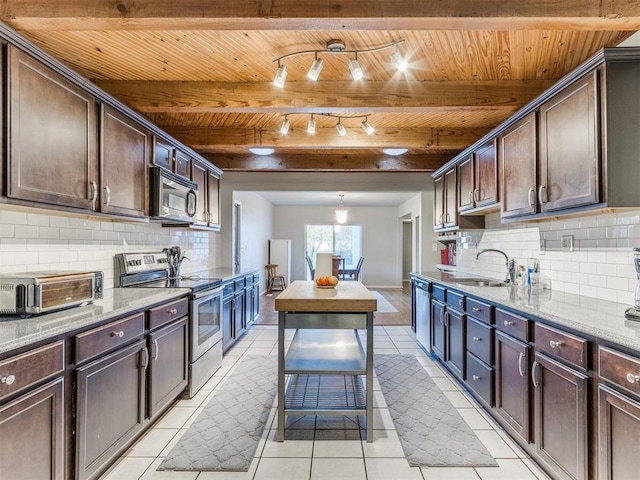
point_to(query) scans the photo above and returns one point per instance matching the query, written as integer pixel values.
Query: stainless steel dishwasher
(423, 312)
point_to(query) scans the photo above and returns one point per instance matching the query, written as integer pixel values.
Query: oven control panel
(143, 262)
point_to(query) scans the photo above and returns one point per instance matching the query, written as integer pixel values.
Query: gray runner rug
(225, 435)
(431, 431)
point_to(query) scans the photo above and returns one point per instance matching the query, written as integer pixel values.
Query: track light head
(284, 128)
(341, 130)
(314, 71)
(311, 126)
(400, 63)
(368, 129)
(355, 69)
(281, 76)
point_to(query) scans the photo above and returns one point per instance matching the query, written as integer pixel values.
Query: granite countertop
(597, 318)
(16, 332)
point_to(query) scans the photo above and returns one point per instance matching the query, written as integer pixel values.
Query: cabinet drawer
(228, 289)
(480, 340)
(514, 325)
(167, 313)
(239, 282)
(99, 340)
(480, 378)
(438, 293)
(561, 345)
(455, 300)
(22, 371)
(480, 310)
(619, 369)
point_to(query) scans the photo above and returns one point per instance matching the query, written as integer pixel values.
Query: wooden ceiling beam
(436, 139)
(335, 15)
(328, 162)
(322, 97)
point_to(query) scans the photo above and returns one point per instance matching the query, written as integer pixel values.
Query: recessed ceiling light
(261, 150)
(394, 151)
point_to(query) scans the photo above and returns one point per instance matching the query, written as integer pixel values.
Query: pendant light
(341, 212)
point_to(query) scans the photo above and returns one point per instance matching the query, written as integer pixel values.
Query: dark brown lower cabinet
(512, 384)
(455, 326)
(438, 330)
(619, 431)
(561, 417)
(34, 423)
(110, 407)
(168, 374)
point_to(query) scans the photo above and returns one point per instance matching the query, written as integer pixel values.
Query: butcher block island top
(304, 296)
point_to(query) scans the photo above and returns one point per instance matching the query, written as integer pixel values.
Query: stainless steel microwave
(173, 198)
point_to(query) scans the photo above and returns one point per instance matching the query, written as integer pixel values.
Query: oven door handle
(208, 293)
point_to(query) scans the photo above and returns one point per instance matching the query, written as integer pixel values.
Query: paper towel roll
(324, 264)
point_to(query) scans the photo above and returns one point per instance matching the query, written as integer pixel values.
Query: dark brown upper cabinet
(52, 135)
(478, 178)
(208, 206)
(124, 158)
(169, 157)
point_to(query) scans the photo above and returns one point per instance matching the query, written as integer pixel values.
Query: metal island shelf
(326, 359)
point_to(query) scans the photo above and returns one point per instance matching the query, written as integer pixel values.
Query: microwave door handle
(191, 203)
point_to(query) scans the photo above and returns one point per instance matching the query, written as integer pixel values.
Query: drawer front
(480, 340)
(228, 289)
(99, 340)
(480, 310)
(619, 369)
(455, 300)
(239, 284)
(167, 313)
(438, 293)
(256, 278)
(514, 325)
(21, 371)
(480, 378)
(561, 345)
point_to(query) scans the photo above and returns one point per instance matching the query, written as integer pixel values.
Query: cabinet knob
(554, 344)
(476, 339)
(118, 334)
(8, 380)
(172, 311)
(631, 378)
(508, 323)
(476, 377)
(476, 309)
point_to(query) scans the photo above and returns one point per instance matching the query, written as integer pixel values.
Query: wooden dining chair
(274, 281)
(356, 276)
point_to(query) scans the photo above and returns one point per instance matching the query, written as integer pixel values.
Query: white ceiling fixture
(341, 212)
(262, 150)
(394, 151)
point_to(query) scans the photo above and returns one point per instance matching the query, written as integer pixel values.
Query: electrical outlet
(567, 243)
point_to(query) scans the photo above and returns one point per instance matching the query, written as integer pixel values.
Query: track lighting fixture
(342, 131)
(333, 47)
(311, 126)
(284, 128)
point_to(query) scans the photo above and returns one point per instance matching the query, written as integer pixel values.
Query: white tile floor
(322, 453)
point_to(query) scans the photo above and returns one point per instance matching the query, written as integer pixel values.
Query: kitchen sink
(479, 282)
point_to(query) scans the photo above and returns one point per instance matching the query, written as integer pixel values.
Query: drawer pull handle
(476, 309)
(476, 339)
(8, 380)
(118, 334)
(554, 344)
(521, 370)
(508, 323)
(631, 378)
(476, 377)
(460, 302)
(173, 311)
(534, 373)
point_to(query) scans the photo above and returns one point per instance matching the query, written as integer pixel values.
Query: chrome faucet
(510, 264)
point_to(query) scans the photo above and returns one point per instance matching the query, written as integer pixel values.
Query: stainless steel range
(152, 270)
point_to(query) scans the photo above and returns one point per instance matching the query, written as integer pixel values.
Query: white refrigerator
(280, 254)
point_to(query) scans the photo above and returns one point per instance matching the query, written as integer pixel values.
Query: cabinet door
(486, 165)
(163, 153)
(455, 324)
(256, 301)
(438, 330)
(248, 304)
(110, 406)
(199, 174)
(228, 324)
(240, 321)
(51, 151)
(517, 150)
(619, 418)
(450, 199)
(124, 157)
(213, 199)
(466, 184)
(168, 349)
(182, 164)
(438, 202)
(561, 417)
(512, 383)
(32, 429)
(570, 147)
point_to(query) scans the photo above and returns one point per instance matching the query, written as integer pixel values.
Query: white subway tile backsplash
(13, 218)
(26, 231)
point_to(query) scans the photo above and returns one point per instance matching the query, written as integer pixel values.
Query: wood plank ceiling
(203, 70)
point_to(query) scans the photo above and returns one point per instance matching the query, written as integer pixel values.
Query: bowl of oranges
(326, 281)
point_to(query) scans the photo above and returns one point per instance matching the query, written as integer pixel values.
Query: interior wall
(381, 239)
(255, 229)
(407, 249)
